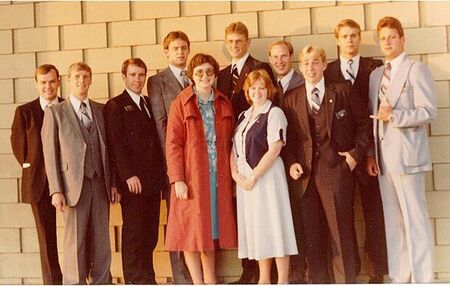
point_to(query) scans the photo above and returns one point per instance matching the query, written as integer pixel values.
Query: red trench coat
(189, 223)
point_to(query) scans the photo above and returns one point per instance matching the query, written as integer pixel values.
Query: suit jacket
(412, 96)
(237, 95)
(162, 89)
(27, 148)
(347, 126)
(65, 149)
(133, 143)
(296, 81)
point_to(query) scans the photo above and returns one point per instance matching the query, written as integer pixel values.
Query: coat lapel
(246, 69)
(296, 80)
(71, 116)
(398, 82)
(303, 110)
(329, 102)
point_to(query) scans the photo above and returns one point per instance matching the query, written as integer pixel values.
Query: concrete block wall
(103, 34)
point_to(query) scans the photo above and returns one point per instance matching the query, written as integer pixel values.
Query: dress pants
(87, 249)
(409, 236)
(298, 262)
(45, 217)
(140, 214)
(327, 212)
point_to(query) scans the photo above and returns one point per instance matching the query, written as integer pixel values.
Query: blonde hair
(80, 66)
(315, 51)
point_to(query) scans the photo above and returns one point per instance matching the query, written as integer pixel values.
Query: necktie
(184, 78)
(85, 118)
(350, 71)
(234, 77)
(315, 100)
(385, 80)
(280, 86)
(143, 106)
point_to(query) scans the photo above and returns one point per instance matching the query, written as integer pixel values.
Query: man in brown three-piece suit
(137, 160)
(27, 148)
(327, 137)
(79, 178)
(350, 66)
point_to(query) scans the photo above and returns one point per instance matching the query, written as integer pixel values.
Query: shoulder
(28, 107)
(224, 71)
(96, 104)
(333, 64)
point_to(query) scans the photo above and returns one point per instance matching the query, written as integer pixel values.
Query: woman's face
(203, 76)
(258, 93)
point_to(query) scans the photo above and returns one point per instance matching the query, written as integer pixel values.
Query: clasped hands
(247, 183)
(384, 112)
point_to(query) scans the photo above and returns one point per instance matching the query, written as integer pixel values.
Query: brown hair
(315, 50)
(45, 69)
(80, 66)
(200, 59)
(238, 28)
(133, 61)
(391, 23)
(281, 43)
(259, 75)
(175, 35)
(346, 23)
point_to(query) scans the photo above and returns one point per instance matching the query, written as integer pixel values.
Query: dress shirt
(239, 63)
(76, 106)
(320, 86)
(177, 73)
(44, 102)
(395, 63)
(286, 79)
(344, 66)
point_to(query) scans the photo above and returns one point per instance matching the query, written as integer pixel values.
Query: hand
(238, 178)
(59, 201)
(181, 190)
(249, 183)
(351, 162)
(384, 112)
(134, 185)
(371, 166)
(115, 195)
(296, 171)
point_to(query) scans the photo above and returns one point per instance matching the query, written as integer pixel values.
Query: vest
(319, 134)
(93, 164)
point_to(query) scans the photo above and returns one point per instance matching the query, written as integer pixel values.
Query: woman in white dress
(265, 228)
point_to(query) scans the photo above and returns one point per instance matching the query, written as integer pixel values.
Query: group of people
(255, 156)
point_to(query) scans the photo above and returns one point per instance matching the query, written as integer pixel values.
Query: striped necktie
(184, 78)
(234, 76)
(385, 80)
(350, 71)
(315, 100)
(85, 118)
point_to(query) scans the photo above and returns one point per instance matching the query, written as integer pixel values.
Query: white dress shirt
(309, 87)
(239, 63)
(76, 103)
(44, 102)
(344, 66)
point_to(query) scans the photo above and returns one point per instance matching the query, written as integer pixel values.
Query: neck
(257, 108)
(349, 56)
(179, 66)
(204, 93)
(80, 97)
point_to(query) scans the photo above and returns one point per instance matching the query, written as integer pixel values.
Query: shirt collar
(344, 65)
(44, 102)
(176, 72)
(76, 104)
(355, 59)
(240, 63)
(320, 85)
(201, 101)
(265, 109)
(286, 79)
(395, 63)
(134, 96)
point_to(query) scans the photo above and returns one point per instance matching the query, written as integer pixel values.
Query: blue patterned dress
(207, 112)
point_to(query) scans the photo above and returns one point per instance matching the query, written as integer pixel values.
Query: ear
(166, 52)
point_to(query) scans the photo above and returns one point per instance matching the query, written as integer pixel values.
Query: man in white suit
(403, 102)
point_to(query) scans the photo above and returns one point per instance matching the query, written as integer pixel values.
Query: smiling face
(237, 45)
(348, 42)
(135, 78)
(280, 59)
(312, 67)
(47, 85)
(391, 44)
(203, 76)
(177, 53)
(258, 93)
(79, 82)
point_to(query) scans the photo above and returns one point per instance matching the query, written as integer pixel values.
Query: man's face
(237, 45)
(312, 68)
(177, 53)
(135, 78)
(280, 59)
(47, 85)
(348, 42)
(391, 44)
(79, 82)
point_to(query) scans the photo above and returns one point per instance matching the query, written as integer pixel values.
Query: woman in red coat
(199, 131)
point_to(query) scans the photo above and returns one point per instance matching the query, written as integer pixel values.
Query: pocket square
(129, 107)
(341, 113)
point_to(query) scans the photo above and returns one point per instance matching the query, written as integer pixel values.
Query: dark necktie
(350, 71)
(280, 86)
(184, 78)
(234, 77)
(143, 106)
(85, 118)
(315, 100)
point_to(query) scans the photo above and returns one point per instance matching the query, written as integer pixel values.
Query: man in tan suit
(76, 162)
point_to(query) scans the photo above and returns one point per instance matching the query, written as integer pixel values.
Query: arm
(19, 137)
(157, 104)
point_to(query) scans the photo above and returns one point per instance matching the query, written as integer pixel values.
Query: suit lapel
(295, 81)
(303, 110)
(171, 83)
(329, 103)
(246, 69)
(362, 70)
(398, 82)
(71, 116)
(38, 113)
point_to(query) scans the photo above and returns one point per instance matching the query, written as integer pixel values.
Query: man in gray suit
(162, 89)
(403, 102)
(80, 184)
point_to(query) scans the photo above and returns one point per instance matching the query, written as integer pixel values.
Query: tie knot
(183, 73)
(388, 66)
(83, 105)
(350, 62)
(315, 91)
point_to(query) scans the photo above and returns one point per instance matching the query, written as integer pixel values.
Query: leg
(208, 259)
(265, 266)
(298, 262)
(45, 218)
(283, 269)
(151, 208)
(194, 265)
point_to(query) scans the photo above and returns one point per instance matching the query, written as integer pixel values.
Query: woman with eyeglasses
(265, 227)
(199, 130)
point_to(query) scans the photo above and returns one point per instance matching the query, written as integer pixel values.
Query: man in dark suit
(162, 89)
(230, 80)
(281, 55)
(350, 66)
(27, 148)
(327, 138)
(138, 162)
(79, 178)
